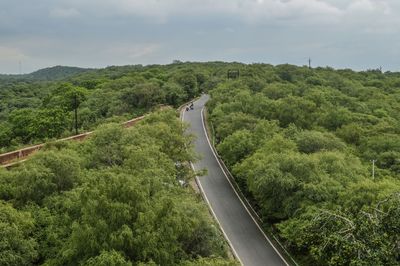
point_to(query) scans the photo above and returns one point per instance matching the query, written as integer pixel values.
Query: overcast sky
(358, 34)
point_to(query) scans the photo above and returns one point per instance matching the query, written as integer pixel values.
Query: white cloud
(132, 51)
(294, 10)
(247, 11)
(140, 51)
(259, 11)
(372, 17)
(64, 12)
(363, 6)
(102, 32)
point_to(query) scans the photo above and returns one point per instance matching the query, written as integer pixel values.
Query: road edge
(203, 195)
(237, 194)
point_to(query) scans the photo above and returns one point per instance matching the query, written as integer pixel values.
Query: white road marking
(210, 207)
(244, 205)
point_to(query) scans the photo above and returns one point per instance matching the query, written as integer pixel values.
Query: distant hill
(49, 73)
(56, 73)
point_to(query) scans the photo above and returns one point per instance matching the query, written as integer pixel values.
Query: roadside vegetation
(300, 143)
(121, 196)
(115, 199)
(36, 108)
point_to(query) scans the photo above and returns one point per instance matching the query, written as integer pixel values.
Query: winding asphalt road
(246, 239)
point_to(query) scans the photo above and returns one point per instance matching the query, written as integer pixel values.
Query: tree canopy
(40, 107)
(300, 142)
(115, 199)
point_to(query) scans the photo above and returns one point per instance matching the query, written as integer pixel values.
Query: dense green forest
(300, 143)
(35, 108)
(117, 198)
(114, 199)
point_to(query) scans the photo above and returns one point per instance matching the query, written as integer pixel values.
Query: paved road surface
(248, 242)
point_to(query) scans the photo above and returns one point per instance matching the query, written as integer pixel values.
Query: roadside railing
(12, 158)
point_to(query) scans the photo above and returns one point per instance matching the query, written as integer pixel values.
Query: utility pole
(76, 113)
(309, 63)
(373, 169)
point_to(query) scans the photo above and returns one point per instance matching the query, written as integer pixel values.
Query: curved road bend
(247, 240)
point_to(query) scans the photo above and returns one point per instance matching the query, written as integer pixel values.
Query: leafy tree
(209, 262)
(278, 90)
(49, 123)
(175, 94)
(66, 96)
(229, 123)
(22, 122)
(18, 247)
(47, 173)
(111, 258)
(351, 133)
(336, 238)
(143, 95)
(5, 134)
(297, 111)
(188, 81)
(237, 146)
(106, 147)
(334, 118)
(314, 141)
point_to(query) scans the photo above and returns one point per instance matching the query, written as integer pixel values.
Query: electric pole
(76, 113)
(309, 63)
